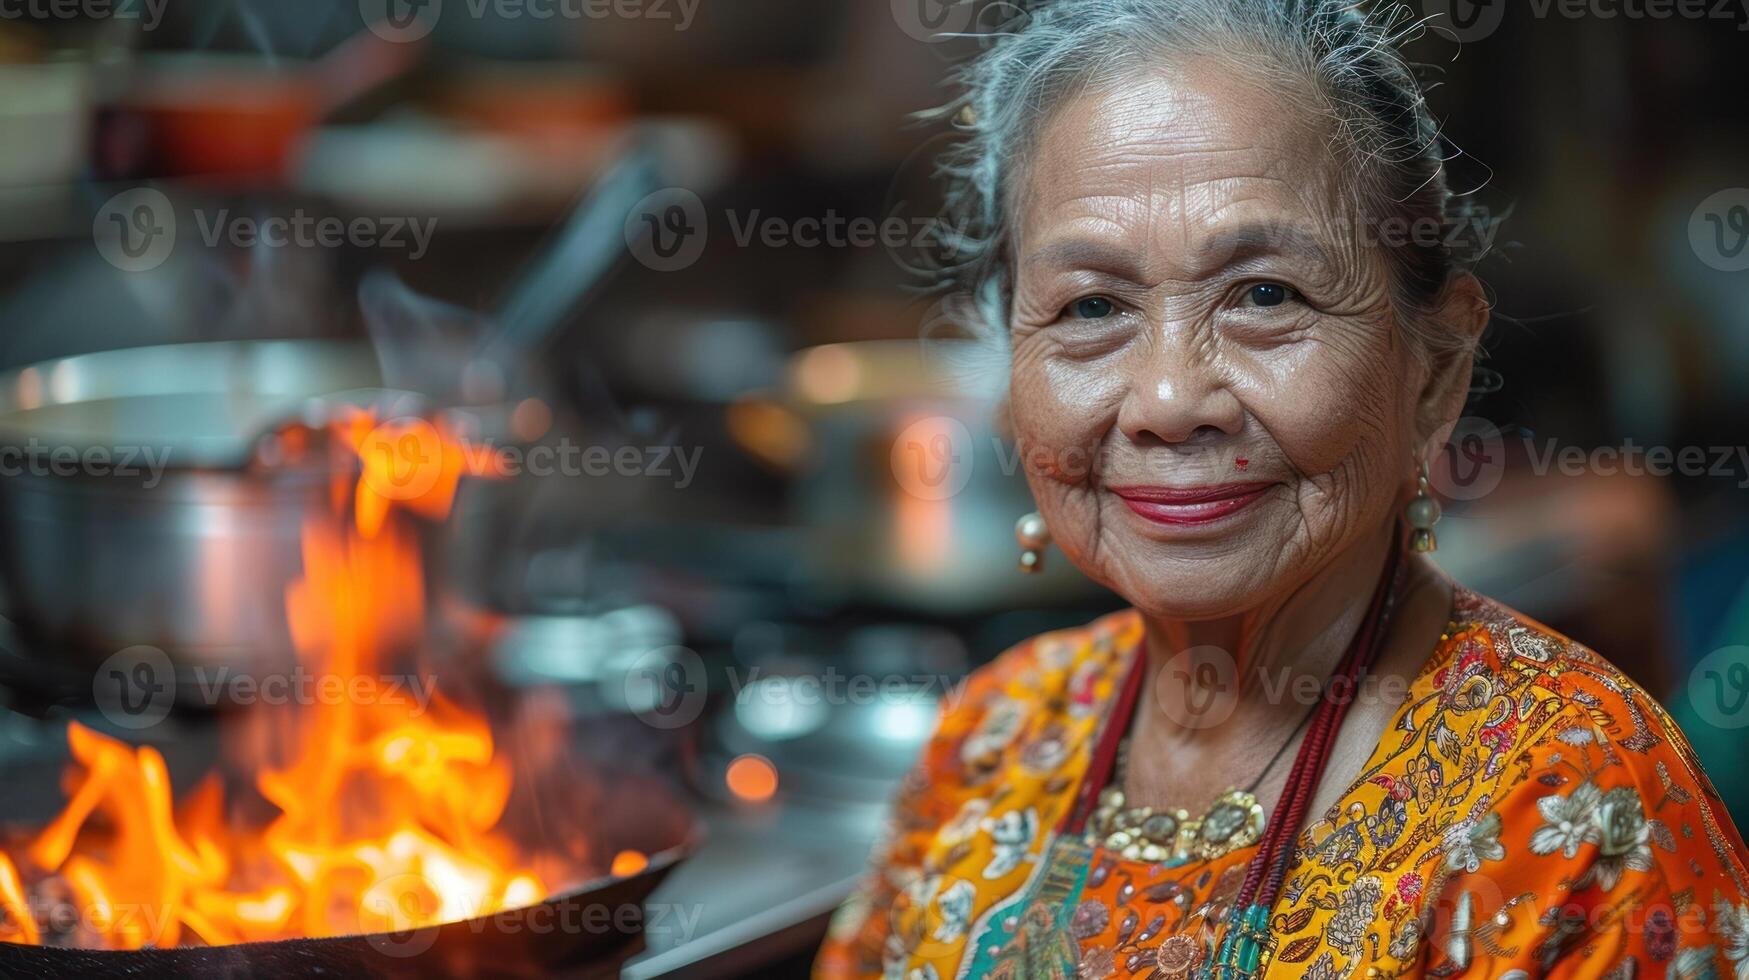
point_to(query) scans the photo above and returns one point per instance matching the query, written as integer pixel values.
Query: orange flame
(386, 814)
(411, 462)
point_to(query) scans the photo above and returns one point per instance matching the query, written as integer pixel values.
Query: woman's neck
(1266, 659)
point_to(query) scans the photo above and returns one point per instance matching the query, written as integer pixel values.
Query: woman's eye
(1267, 294)
(1092, 308)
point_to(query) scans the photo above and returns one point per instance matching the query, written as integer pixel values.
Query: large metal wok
(587, 930)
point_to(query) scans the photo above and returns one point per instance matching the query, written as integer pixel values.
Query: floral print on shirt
(1528, 812)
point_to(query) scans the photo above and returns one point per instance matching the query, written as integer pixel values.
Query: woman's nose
(1178, 394)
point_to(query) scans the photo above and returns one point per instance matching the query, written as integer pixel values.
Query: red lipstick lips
(1190, 506)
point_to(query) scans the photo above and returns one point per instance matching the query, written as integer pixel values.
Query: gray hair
(1342, 61)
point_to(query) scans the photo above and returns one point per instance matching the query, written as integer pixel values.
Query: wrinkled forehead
(1196, 158)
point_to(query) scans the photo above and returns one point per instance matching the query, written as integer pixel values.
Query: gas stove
(760, 890)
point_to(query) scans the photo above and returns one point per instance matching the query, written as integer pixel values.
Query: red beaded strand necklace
(1241, 950)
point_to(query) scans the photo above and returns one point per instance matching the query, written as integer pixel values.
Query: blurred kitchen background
(849, 513)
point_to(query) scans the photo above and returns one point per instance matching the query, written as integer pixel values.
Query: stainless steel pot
(134, 508)
(910, 494)
(190, 549)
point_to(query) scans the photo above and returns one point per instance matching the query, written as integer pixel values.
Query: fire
(385, 813)
(411, 462)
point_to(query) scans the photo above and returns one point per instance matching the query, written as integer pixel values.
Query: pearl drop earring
(1033, 536)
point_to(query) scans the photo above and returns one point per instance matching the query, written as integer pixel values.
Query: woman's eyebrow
(1087, 253)
(1222, 248)
(1230, 246)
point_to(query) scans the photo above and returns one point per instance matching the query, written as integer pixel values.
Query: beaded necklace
(1246, 944)
(1244, 948)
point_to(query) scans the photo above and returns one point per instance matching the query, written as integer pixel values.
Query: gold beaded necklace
(1158, 834)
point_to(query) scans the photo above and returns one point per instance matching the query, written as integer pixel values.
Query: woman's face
(1208, 389)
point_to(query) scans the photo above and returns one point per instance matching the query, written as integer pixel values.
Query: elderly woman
(1304, 752)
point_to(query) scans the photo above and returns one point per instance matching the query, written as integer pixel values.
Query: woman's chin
(1186, 607)
(1198, 590)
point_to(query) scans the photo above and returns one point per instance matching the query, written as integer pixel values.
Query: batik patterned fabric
(1529, 812)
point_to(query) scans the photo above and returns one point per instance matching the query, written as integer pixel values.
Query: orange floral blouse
(1529, 812)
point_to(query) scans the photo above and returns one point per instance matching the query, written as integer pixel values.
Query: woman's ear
(1462, 314)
